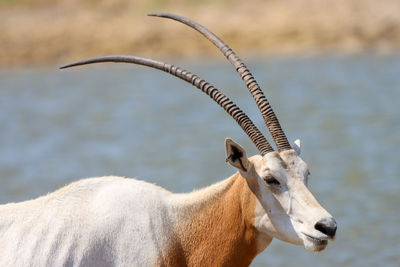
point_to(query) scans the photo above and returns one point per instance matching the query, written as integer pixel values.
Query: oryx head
(286, 209)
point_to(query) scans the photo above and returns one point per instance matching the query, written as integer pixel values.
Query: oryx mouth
(317, 241)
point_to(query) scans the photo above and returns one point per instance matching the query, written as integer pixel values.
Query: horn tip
(67, 66)
(163, 15)
(155, 14)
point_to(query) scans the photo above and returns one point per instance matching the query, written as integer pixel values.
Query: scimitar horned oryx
(113, 221)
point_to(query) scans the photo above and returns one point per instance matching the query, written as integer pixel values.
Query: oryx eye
(270, 180)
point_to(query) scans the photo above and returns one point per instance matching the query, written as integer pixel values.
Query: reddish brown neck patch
(220, 233)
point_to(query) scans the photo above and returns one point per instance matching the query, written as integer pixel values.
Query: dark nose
(326, 226)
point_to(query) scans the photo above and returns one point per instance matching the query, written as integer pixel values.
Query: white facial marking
(287, 210)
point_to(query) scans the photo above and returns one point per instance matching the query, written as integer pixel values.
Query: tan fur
(220, 233)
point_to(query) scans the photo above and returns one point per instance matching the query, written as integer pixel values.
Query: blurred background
(329, 68)
(47, 31)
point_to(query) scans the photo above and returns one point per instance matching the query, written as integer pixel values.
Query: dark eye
(271, 180)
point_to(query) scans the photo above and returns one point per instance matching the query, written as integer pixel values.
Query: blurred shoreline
(48, 32)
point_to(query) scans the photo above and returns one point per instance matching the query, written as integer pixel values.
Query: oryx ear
(297, 146)
(236, 155)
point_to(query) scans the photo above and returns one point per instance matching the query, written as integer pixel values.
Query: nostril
(326, 226)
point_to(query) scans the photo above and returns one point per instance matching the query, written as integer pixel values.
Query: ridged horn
(236, 113)
(266, 110)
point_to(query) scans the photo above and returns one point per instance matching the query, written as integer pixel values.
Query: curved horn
(266, 110)
(241, 118)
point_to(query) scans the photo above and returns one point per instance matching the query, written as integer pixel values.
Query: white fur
(97, 222)
(288, 212)
(107, 221)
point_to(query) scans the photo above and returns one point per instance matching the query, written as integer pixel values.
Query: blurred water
(60, 126)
